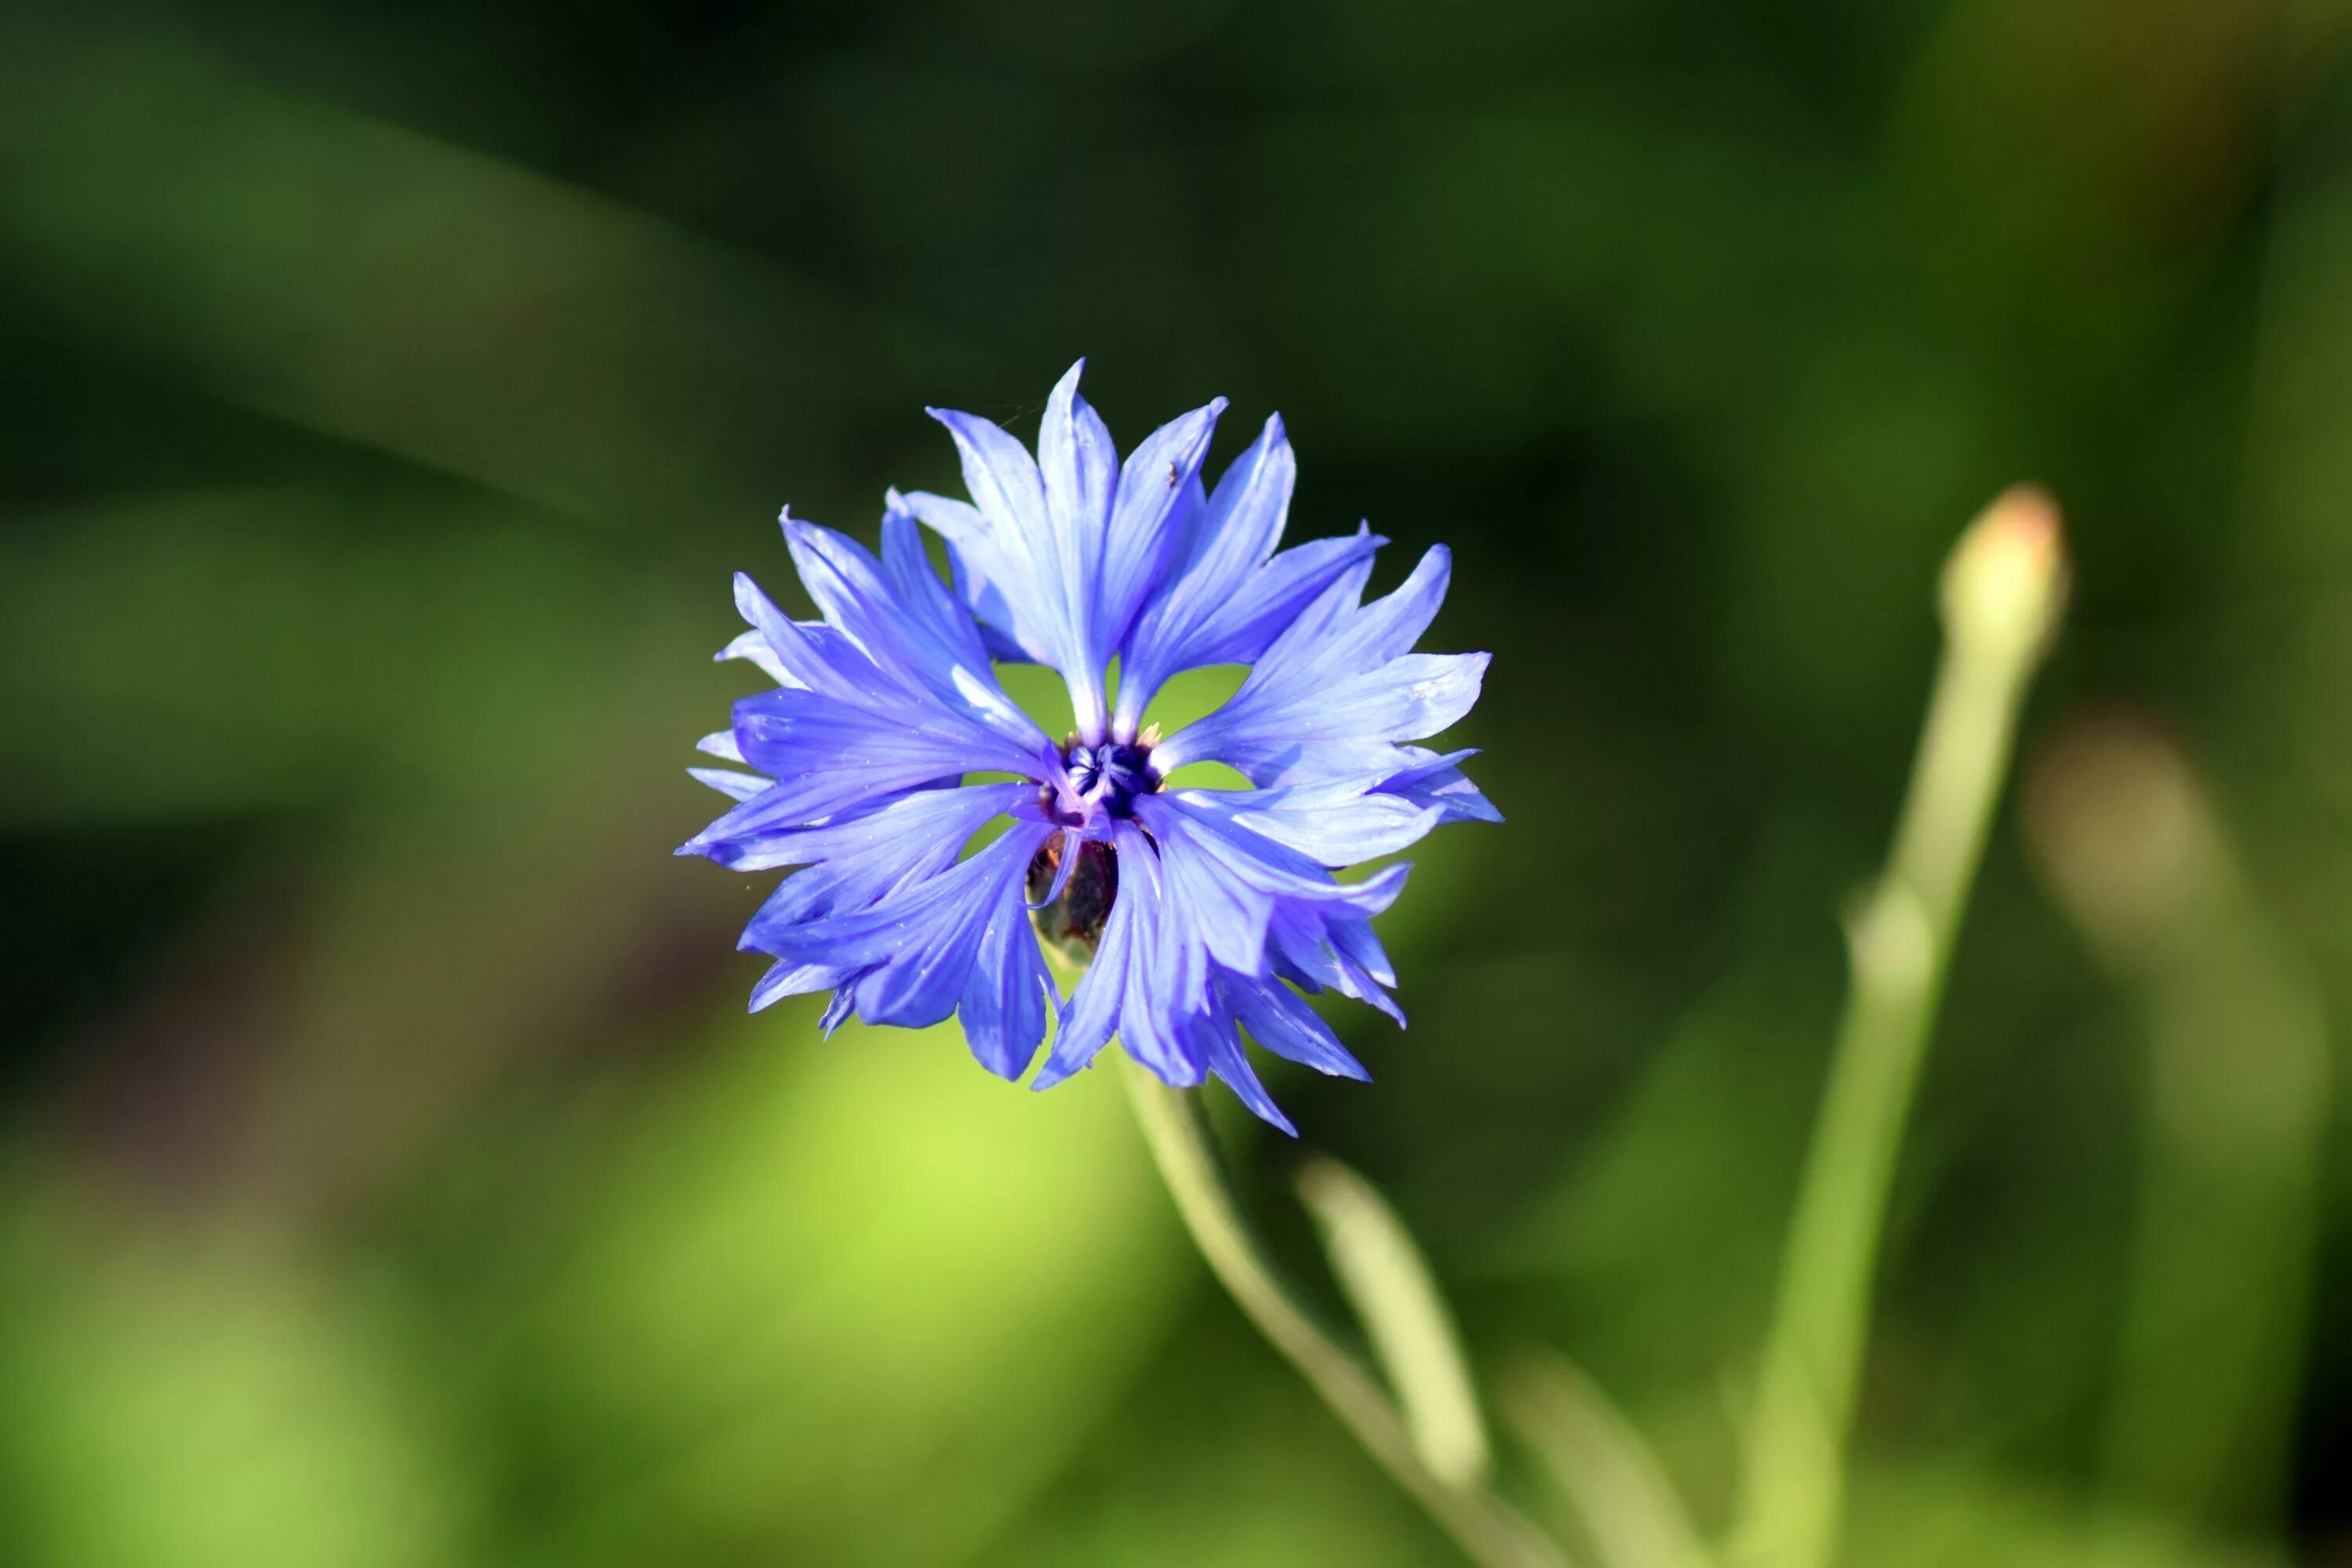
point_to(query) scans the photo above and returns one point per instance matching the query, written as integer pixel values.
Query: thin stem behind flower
(2002, 590)
(1174, 1125)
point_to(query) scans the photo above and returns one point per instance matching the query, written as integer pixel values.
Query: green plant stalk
(2001, 592)
(1488, 1530)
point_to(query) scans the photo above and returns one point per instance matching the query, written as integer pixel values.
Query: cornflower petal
(1428, 779)
(1115, 996)
(1228, 596)
(915, 948)
(1333, 823)
(1341, 678)
(1059, 552)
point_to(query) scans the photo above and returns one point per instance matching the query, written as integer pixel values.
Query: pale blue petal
(752, 645)
(1009, 495)
(1041, 586)
(918, 947)
(1122, 993)
(902, 825)
(785, 978)
(1253, 861)
(1225, 914)
(1428, 779)
(1277, 727)
(829, 760)
(1151, 1025)
(1080, 470)
(728, 783)
(1221, 600)
(1152, 488)
(981, 564)
(1262, 608)
(912, 635)
(1309, 943)
(814, 657)
(1334, 823)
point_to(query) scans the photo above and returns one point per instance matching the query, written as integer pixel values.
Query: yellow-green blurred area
(389, 1173)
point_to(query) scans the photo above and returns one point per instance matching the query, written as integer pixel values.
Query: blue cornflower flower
(1200, 909)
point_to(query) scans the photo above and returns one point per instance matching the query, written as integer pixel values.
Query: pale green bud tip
(2005, 582)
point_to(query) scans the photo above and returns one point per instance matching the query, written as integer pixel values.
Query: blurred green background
(388, 1173)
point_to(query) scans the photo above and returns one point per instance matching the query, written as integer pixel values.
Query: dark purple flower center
(1105, 779)
(1102, 780)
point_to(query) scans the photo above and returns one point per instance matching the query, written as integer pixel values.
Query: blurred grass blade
(587, 356)
(2003, 588)
(1613, 1480)
(1387, 1282)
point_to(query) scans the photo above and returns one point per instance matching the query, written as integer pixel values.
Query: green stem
(2001, 593)
(1174, 1123)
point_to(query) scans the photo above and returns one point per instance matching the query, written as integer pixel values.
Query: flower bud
(2006, 579)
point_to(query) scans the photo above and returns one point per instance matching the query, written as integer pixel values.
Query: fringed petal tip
(838, 1007)
(1054, 1073)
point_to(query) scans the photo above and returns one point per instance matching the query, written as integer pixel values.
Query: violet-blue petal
(1120, 992)
(1153, 486)
(1059, 551)
(828, 759)
(1278, 1019)
(1080, 468)
(1333, 823)
(752, 645)
(1224, 595)
(989, 573)
(1337, 686)
(786, 977)
(731, 783)
(1008, 994)
(1220, 1049)
(1282, 726)
(812, 656)
(1430, 780)
(916, 948)
(1255, 860)
(861, 857)
(1311, 951)
(1039, 592)
(907, 632)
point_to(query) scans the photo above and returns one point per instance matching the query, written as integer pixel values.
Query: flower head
(1202, 913)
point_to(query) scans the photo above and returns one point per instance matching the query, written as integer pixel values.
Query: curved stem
(1488, 1530)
